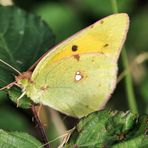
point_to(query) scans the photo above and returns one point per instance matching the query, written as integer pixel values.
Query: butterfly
(78, 75)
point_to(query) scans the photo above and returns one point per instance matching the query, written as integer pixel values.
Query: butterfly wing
(79, 74)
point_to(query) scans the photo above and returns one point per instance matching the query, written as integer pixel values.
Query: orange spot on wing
(77, 57)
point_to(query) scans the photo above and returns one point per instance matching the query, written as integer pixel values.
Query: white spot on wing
(78, 76)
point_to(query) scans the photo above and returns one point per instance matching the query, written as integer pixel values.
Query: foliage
(24, 37)
(107, 128)
(17, 139)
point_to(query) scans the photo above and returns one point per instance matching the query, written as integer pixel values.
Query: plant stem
(128, 79)
(128, 82)
(40, 128)
(114, 6)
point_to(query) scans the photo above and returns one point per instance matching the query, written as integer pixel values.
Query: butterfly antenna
(10, 66)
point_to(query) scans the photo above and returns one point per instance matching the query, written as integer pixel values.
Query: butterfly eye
(74, 48)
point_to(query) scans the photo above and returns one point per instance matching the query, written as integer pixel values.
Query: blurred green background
(66, 17)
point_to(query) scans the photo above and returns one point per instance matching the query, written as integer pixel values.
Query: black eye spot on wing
(74, 48)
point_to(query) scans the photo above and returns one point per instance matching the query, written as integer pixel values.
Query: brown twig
(40, 128)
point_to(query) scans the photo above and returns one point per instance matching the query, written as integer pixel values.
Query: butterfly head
(24, 79)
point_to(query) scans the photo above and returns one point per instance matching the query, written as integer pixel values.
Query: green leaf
(24, 38)
(109, 129)
(24, 102)
(18, 120)
(17, 140)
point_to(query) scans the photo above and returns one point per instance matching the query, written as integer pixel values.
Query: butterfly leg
(39, 110)
(18, 99)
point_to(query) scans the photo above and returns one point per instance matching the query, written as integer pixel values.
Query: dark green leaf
(24, 38)
(15, 93)
(106, 129)
(17, 140)
(11, 115)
